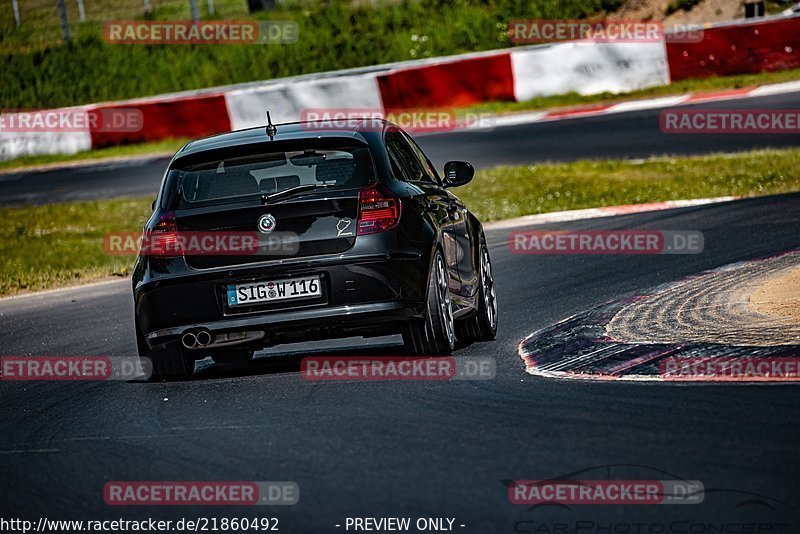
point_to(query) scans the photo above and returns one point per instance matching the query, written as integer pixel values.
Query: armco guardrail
(514, 74)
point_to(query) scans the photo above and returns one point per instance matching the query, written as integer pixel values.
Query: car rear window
(248, 178)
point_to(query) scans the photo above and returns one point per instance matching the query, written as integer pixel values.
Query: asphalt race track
(417, 449)
(633, 134)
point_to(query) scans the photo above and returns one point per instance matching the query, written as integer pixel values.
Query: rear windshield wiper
(267, 199)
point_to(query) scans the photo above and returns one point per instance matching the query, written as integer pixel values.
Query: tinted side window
(396, 160)
(430, 174)
(404, 157)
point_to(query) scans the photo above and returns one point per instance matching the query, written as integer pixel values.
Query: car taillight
(162, 239)
(378, 210)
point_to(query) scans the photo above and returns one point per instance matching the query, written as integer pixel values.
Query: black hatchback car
(353, 233)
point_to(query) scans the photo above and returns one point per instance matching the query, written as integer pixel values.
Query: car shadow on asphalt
(287, 361)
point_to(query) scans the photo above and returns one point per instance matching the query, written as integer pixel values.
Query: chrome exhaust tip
(203, 338)
(189, 340)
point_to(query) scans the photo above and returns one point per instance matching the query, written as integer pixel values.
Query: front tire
(483, 325)
(436, 334)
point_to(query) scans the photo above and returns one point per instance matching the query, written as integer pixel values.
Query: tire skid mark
(713, 308)
(703, 316)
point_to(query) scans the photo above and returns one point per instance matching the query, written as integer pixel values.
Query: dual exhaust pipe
(202, 338)
(199, 340)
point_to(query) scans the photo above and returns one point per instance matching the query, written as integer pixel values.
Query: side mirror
(153, 205)
(457, 173)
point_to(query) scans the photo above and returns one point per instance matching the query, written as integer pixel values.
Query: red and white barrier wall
(287, 101)
(162, 118)
(587, 68)
(515, 74)
(14, 144)
(767, 45)
(450, 82)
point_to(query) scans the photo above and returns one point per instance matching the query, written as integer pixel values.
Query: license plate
(274, 290)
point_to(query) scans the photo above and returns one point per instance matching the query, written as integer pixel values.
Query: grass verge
(61, 244)
(506, 192)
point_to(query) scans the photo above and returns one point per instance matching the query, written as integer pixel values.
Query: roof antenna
(271, 129)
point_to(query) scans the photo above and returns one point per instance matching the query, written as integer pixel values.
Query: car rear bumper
(360, 292)
(343, 319)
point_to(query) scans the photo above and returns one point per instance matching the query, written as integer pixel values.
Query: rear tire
(483, 325)
(166, 364)
(435, 335)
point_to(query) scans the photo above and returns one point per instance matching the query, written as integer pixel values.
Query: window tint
(395, 159)
(247, 178)
(431, 175)
(405, 157)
